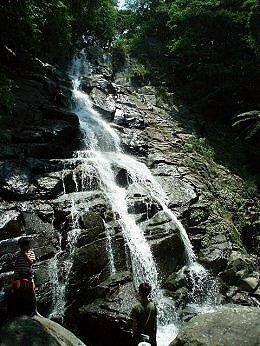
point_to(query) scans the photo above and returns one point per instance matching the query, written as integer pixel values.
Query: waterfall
(59, 269)
(102, 150)
(110, 249)
(61, 264)
(204, 292)
(102, 142)
(139, 173)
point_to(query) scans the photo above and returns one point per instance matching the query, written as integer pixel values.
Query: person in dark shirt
(144, 317)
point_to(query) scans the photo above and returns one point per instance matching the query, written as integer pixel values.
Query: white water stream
(103, 150)
(59, 269)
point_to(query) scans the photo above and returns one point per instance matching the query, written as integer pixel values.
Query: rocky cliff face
(44, 183)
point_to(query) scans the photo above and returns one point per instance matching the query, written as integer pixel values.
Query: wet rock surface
(227, 327)
(47, 182)
(110, 315)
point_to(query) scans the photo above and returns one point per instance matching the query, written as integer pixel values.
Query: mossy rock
(197, 216)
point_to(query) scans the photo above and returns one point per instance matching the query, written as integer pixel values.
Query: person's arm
(32, 255)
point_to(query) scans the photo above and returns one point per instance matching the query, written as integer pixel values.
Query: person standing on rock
(144, 317)
(23, 267)
(21, 299)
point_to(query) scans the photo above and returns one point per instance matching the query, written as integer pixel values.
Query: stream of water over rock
(103, 150)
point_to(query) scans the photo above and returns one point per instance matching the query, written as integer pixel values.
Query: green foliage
(254, 27)
(126, 22)
(207, 49)
(211, 56)
(19, 31)
(96, 17)
(104, 19)
(139, 73)
(119, 53)
(6, 91)
(54, 26)
(48, 29)
(144, 27)
(200, 146)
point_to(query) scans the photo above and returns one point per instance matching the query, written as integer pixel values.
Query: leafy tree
(147, 36)
(211, 58)
(205, 49)
(98, 17)
(19, 31)
(54, 26)
(49, 29)
(254, 27)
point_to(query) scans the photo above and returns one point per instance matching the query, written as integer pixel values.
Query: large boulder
(134, 143)
(109, 318)
(48, 185)
(104, 103)
(129, 117)
(239, 267)
(49, 131)
(36, 331)
(227, 327)
(14, 179)
(11, 224)
(96, 81)
(216, 251)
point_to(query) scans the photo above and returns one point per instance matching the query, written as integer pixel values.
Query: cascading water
(102, 148)
(61, 264)
(101, 141)
(110, 249)
(204, 291)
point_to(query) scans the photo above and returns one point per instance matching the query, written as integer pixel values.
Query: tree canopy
(49, 30)
(208, 50)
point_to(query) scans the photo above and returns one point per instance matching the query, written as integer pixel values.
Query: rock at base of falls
(109, 318)
(227, 327)
(36, 331)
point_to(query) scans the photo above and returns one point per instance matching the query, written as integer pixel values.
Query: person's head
(24, 244)
(144, 289)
